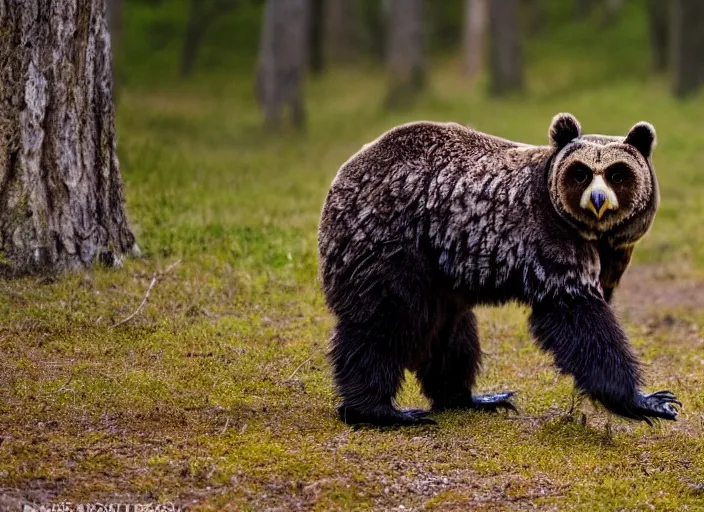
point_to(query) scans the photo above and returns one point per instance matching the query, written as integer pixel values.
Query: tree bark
(61, 195)
(405, 50)
(282, 61)
(476, 15)
(660, 24)
(687, 46)
(506, 57)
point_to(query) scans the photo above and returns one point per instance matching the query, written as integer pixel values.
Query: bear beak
(598, 200)
(599, 197)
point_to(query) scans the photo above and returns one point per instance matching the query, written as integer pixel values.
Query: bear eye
(617, 174)
(580, 173)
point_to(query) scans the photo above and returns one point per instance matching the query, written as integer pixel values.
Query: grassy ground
(218, 393)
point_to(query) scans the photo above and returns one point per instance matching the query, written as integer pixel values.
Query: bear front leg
(588, 343)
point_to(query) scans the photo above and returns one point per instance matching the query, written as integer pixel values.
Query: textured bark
(282, 60)
(476, 16)
(405, 49)
(61, 196)
(687, 46)
(659, 20)
(506, 56)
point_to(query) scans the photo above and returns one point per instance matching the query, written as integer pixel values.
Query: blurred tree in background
(406, 41)
(282, 61)
(660, 19)
(476, 15)
(114, 15)
(495, 38)
(316, 61)
(688, 46)
(202, 14)
(506, 60)
(343, 30)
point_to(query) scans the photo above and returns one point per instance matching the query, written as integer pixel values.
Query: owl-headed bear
(433, 219)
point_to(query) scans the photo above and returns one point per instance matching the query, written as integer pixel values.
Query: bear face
(598, 183)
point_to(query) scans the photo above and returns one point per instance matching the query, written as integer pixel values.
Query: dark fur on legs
(449, 374)
(372, 346)
(588, 343)
(368, 377)
(448, 377)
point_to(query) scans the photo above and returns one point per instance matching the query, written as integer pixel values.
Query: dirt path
(660, 298)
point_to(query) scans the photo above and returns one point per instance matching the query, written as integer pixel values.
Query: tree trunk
(61, 197)
(374, 27)
(405, 50)
(660, 22)
(316, 60)
(687, 46)
(282, 60)
(476, 14)
(506, 57)
(343, 27)
(195, 30)
(201, 14)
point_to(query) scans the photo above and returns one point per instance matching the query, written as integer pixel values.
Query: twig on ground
(63, 386)
(531, 418)
(170, 268)
(153, 282)
(299, 367)
(141, 305)
(64, 389)
(227, 423)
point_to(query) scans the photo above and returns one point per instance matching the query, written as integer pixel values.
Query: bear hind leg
(367, 378)
(449, 375)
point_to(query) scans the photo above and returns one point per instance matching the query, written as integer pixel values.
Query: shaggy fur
(432, 219)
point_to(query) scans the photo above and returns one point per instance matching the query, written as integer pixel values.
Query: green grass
(197, 399)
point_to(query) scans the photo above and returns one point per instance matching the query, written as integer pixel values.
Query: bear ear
(563, 130)
(642, 137)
